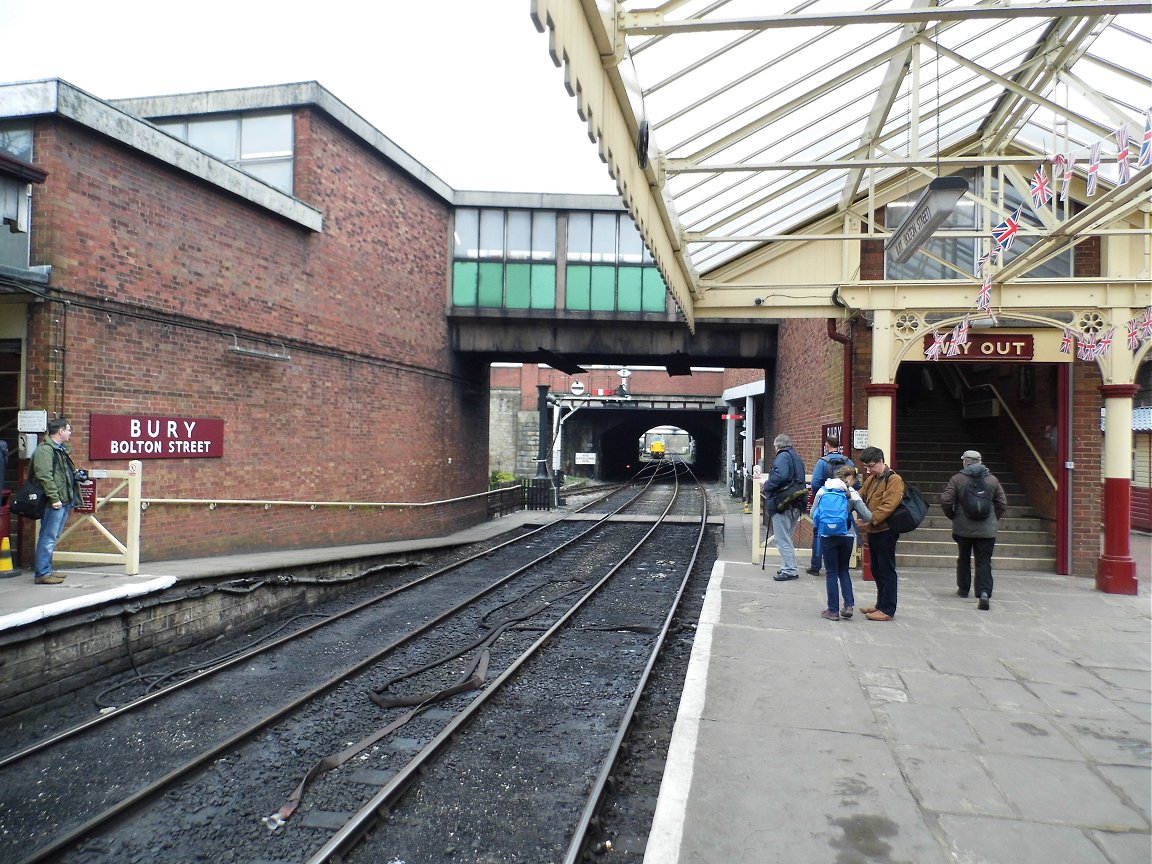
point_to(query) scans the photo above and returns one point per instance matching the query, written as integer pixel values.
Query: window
(504, 259)
(259, 144)
(16, 140)
(609, 268)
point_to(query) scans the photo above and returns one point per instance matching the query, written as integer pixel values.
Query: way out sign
(131, 436)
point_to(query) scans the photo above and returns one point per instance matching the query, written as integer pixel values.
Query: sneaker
(846, 612)
(50, 579)
(830, 614)
(813, 571)
(983, 604)
(786, 577)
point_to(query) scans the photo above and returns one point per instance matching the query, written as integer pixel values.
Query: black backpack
(976, 499)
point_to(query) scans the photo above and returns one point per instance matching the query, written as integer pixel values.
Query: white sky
(466, 87)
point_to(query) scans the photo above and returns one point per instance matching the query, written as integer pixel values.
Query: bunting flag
(933, 353)
(1067, 342)
(1122, 154)
(984, 301)
(960, 337)
(1040, 188)
(1103, 344)
(1134, 339)
(1146, 324)
(953, 346)
(1086, 349)
(1005, 233)
(982, 260)
(1093, 168)
(1066, 182)
(1059, 163)
(1145, 157)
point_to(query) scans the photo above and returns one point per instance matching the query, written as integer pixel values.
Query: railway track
(376, 701)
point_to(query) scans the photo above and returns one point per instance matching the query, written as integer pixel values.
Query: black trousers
(982, 547)
(882, 554)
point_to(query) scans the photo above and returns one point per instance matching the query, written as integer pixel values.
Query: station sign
(731, 416)
(991, 348)
(585, 458)
(133, 436)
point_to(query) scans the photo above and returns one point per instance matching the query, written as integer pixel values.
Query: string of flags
(1042, 192)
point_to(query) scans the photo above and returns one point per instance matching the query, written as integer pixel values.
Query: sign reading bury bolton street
(990, 347)
(129, 436)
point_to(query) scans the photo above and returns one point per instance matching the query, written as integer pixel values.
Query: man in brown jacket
(882, 492)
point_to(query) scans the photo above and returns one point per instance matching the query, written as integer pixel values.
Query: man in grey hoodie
(975, 502)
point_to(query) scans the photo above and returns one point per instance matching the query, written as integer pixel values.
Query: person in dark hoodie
(825, 469)
(975, 502)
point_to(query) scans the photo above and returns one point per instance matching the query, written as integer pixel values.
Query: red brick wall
(1088, 456)
(160, 268)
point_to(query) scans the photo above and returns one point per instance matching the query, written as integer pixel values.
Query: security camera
(759, 301)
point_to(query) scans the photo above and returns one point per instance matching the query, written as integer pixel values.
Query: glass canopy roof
(763, 117)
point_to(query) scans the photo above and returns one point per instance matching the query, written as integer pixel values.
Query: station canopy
(732, 124)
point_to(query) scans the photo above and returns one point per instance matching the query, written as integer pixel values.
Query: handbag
(29, 500)
(790, 496)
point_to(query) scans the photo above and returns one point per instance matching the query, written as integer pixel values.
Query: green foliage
(500, 478)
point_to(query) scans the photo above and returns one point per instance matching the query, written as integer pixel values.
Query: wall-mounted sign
(991, 347)
(134, 436)
(585, 458)
(87, 497)
(32, 421)
(731, 416)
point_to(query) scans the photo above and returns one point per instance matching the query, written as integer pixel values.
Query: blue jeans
(783, 526)
(51, 527)
(837, 556)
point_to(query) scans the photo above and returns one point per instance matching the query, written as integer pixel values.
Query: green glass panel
(517, 286)
(579, 287)
(543, 286)
(630, 288)
(655, 291)
(604, 288)
(492, 284)
(464, 278)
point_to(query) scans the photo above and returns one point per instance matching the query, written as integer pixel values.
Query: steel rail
(364, 820)
(70, 838)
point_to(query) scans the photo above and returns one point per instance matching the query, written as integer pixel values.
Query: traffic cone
(6, 555)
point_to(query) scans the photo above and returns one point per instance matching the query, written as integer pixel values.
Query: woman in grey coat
(973, 533)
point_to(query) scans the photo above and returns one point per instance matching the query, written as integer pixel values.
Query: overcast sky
(464, 86)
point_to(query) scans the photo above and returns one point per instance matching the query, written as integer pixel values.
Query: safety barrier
(128, 552)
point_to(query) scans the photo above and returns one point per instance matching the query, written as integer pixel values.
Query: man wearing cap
(975, 502)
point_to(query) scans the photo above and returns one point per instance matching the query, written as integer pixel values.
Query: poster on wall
(136, 436)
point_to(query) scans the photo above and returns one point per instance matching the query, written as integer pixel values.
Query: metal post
(545, 429)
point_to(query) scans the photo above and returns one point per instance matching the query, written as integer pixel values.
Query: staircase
(929, 441)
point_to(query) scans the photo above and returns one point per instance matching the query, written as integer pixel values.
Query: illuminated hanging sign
(133, 436)
(991, 347)
(931, 211)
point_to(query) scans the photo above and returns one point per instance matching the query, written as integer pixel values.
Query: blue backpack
(833, 514)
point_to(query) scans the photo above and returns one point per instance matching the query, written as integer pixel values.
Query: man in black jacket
(787, 468)
(974, 525)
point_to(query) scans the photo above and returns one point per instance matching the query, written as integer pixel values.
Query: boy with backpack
(833, 521)
(975, 502)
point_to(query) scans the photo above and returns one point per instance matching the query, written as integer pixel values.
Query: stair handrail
(1011, 416)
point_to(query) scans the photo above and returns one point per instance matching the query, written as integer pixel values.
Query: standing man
(824, 469)
(882, 492)
(787, 469)
(975, 502)
(54, 469)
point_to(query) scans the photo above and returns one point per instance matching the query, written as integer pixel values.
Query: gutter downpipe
(846, 410)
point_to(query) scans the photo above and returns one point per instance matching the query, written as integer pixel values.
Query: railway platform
(1020, 735)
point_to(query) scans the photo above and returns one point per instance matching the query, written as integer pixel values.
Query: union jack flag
(1146, 324)
(1066, 181)
(960, 337)
(1134, 339)
(1067, 342)
(1103, 344)
(1145, 157)
(1122, 154)
(1059, 163)
(1041, 189)
(933, 353)
(1005, 233)
(1093, 169)
(1086, 350)
(984, 301)
(982, 260)
(953, 345)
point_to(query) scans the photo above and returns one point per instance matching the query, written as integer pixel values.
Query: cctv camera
(759, 301)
